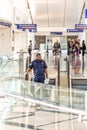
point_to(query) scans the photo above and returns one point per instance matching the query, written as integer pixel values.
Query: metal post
(28, 60)
(21, 66)
(58, 71)
(68, 71)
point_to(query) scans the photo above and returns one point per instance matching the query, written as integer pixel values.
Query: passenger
(39, 68)
(56, 48)
(76, 49)
(83, 48)
(30, 48)
(78, 42)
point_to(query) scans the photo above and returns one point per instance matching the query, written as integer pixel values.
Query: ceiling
(56, 13)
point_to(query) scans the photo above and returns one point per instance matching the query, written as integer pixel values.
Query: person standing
(83, 48)
(68, 47)
(56, 48)
(39, 68)
(30, 48)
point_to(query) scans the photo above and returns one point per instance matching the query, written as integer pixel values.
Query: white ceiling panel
(73, 12)
(56, 13)
(39, 12)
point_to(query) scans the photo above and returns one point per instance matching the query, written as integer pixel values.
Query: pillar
(13, 31)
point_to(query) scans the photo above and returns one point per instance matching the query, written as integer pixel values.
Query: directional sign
(80, 26)
(5, 24)
(74, 30)
(85, 13)
(30, 27)
(55, 33)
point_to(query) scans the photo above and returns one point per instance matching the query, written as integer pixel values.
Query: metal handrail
(80, 113)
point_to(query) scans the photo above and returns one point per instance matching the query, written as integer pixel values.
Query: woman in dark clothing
(83, 48)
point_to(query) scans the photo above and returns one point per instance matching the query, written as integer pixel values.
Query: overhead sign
(55, 33)
(80, 26)
(5, 24)
(74, 30)
(30, 27)
(85, 13)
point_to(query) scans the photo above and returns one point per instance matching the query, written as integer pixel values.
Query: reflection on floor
(40, 119)
(21, 116)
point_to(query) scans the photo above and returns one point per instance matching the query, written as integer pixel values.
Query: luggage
(52, 81)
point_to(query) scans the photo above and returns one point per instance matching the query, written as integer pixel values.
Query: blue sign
(80, 26)
(30, 27)
(74, 30)
(55, 33)
(5, 24)
(85, 13)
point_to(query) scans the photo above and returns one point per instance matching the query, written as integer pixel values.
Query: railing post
(58, 71)
(68, 71)
(21, 65)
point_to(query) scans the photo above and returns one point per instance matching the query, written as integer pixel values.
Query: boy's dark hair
(38, 54)
(30, 41)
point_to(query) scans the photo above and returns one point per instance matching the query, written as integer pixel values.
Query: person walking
(39, 69)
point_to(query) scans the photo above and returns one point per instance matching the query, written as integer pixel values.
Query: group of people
(75, 48)
(39, 66)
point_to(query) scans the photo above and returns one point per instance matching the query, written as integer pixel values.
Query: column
(86, 21)
(13, 31)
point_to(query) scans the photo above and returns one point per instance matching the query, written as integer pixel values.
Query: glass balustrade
(40, 105)
(75, 99)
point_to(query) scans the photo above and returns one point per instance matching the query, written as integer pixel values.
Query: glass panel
(18, 114)
(13, 65)
(45, 93)
(15, 113)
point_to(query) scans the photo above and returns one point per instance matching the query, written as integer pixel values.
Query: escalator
(52, 97)
(78, 75)
(60, 99)
(41, 97)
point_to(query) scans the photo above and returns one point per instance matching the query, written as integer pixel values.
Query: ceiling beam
(48, 13)
(64, 13)
(82, 13)
(28, 7)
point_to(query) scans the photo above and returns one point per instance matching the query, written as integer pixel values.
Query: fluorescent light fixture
(49, 1)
